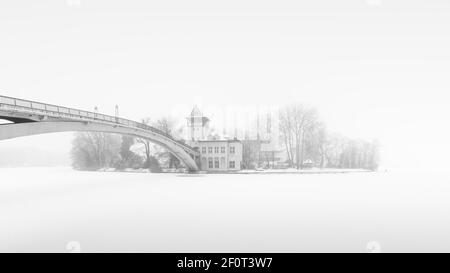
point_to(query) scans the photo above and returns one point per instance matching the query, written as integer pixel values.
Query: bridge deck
(16, 105)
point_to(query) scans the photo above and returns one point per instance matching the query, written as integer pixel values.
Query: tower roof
(197, 116)
(196, 112)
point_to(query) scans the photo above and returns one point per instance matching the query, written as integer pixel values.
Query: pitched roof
(196, 112)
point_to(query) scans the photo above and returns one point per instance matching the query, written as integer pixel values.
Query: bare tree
(307, 124)
(315, 143)
(168, 126)
(153, 152)
(250, 153)
(296, 122)
(344, 152)
(128, 159)
(91, 151)
(286, 129)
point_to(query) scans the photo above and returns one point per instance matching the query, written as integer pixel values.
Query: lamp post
(117, 113)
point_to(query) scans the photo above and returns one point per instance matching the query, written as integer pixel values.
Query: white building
(215, 154)
(220, 155)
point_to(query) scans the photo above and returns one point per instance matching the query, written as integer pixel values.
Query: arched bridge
(34, 118)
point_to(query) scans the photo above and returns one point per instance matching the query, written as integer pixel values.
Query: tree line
(306, 138)
(306, 142)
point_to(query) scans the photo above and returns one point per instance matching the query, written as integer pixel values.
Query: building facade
(220, 155)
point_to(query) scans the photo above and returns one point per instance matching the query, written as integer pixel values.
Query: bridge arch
(14, 130)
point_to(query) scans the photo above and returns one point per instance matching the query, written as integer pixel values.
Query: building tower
(197, 125)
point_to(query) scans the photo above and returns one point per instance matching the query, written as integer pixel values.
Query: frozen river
(56, 210)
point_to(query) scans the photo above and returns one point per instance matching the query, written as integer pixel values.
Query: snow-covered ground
(301, 171)
(58, 210)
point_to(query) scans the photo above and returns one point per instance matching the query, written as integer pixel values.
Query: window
(203, 162)
(216, 162)
(222, 150)
(203, 150)
(222, 161)
(216, 150)
(210, 150)
(210, 162)
(232, 150)
(232, 165)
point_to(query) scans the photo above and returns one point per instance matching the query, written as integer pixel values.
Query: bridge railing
(34, 107)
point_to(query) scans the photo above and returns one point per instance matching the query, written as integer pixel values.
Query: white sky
(375, 68)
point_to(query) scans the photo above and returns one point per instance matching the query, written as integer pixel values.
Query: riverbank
(262, 171)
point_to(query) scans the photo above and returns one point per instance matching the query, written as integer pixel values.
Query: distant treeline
(305, 141)
(305, 138)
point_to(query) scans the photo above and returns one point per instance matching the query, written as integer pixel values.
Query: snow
(302, 171)
(61, 210)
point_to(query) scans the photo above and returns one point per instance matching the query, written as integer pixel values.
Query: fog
(375, 69)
